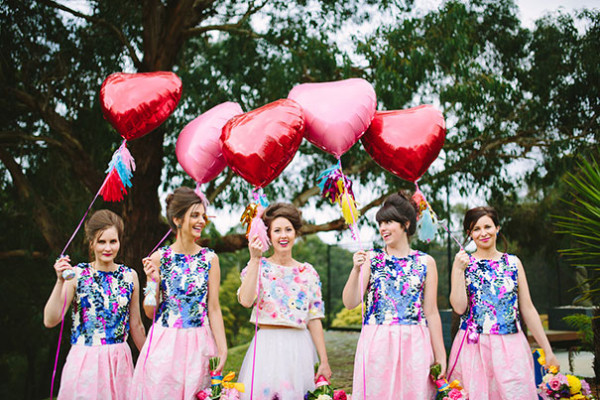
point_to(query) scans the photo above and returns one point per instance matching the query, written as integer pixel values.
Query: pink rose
(339, 395)
(455, 394)
(203, 394)
(554, 383)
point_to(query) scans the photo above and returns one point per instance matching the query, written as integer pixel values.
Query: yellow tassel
(349, 210)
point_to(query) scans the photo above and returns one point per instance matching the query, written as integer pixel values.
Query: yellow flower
(577, 397)
(574, 384)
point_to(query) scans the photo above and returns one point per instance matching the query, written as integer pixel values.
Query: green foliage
(583, 324)
(582, 222)
(348, 318)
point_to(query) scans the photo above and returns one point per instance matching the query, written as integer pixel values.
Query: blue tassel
(427, 226)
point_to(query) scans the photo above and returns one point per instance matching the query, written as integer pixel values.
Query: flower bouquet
(569, 387)
(323, 391)
(445, 390)
(221, 387)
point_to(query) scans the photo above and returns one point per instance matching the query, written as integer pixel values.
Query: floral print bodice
(288, 296)
(101, 305)
(184, 288)
(395, 289)
(492, 291)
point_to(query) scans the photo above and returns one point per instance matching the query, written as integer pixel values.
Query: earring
(178, 226)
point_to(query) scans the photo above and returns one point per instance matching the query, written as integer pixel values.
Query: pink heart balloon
(259, 144)
(337, 113)
(406, 142)
(198, 147)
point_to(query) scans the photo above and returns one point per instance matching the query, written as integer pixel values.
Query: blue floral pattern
(184, 288)
(101, 305)
(395, 289)
(492, 290)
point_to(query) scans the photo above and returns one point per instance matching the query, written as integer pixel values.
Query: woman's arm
(432, 314)
(247, 293)
(532, 318)
(458, 290)
(152, 270)
(316, 332)
(53, 311)
(136, 327)
(215, 316)
(352, 295)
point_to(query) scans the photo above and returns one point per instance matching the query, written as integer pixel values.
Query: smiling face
(193, 221)
(392, 232)
(282, 234)
(484, 233)
(106, 246)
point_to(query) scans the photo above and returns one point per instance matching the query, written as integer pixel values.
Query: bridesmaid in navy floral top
(105, 298)
(490, 292)
(188, 328)
(402, 332)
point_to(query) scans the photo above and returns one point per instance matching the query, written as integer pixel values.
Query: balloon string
(356, 236)
(62, 324)
(154, 311)
(62, 253)
(255, 332)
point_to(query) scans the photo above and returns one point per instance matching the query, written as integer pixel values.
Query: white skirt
(284, 365)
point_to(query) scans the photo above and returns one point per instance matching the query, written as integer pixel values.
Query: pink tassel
(127, 158)
(202, 196)
(258, 228)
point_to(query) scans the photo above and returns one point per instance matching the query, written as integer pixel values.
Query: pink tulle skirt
(398, 358)
(497, 367)
(284, 365)
(177, 364)
(97, 372)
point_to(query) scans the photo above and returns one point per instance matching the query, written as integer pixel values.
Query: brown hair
(179, 202)
(474, 214)
(401, 208)
(100, 221)
(284, 210)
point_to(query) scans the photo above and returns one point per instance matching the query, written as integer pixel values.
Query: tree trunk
(141, 208)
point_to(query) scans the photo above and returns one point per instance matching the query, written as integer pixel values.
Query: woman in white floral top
(288, 308)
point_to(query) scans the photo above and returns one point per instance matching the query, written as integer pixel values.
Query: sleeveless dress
(394, 343)
(495, 361)
(99, 364)
(285, 358)
(174, 365)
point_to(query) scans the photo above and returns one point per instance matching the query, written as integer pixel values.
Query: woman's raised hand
(255, 247)
(461, 260)
(359, 258)
(150, 269)
(62, 264)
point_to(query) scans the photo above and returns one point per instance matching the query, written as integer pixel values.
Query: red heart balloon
(259, 144)
(406, 142)
(136, 104)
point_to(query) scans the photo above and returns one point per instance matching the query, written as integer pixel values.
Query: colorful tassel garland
(337, 188)
(252, 218)
(427, 223)
(119, 173)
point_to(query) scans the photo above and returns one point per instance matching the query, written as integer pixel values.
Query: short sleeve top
(288, 296)
(101, 305)
(184, 288)
(395, 289)
(492, 291)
